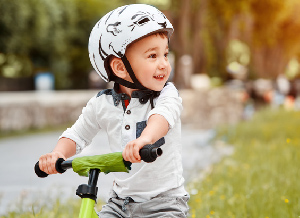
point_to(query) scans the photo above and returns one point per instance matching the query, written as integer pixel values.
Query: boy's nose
(163, 63)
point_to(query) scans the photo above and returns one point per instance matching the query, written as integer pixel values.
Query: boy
(129, 45)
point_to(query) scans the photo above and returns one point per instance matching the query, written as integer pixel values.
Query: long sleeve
(85, 128)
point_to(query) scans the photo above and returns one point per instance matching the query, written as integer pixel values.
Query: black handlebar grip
(58, 166)
(39, 172)
(149, 153)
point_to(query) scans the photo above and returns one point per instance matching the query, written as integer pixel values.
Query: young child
(129, 46)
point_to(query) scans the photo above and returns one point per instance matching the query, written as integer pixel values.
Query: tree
(203, 28)
(49, 35)
(206, 28)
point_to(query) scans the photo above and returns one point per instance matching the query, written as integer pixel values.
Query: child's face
(148, 58)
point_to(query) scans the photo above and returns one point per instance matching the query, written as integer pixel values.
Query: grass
(261, 179)
(17, 133)
(53, 209)
(56, 210)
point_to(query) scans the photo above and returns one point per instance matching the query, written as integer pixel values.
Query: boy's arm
(74, 139)
(157, 127)
(160, 119)
(65, 148)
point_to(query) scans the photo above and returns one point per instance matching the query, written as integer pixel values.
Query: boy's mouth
(159, 77)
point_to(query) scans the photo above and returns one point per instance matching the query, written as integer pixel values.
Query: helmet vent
(143, 21)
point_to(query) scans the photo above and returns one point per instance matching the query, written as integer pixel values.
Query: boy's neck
(124, 89)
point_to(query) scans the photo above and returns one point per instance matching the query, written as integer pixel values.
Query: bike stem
(93, 178)
(88, 194)
(89, 190)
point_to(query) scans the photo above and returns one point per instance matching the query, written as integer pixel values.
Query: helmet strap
(136, 83)
(123, 82)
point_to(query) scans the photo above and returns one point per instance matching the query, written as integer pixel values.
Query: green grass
(54, 209)
(17, 133)
(261, 178)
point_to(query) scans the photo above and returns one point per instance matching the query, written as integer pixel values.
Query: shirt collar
(142, 95)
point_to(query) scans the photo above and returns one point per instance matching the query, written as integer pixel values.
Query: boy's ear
(118, 67)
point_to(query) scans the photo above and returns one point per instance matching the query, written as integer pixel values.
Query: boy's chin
(156, 88)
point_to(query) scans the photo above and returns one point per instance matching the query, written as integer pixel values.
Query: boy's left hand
(132, 149)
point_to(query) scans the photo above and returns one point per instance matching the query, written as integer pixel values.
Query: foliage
(49, 35)
(52, 35)
(261, 178)
(269, 28)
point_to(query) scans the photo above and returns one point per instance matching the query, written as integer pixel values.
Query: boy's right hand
(47, 162)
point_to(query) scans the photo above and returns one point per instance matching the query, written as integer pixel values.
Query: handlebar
(148, 153)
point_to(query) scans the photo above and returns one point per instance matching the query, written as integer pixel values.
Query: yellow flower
(222, 197)
(212, 212)
(246, 166)
(286, 200)
(288, 140)
(207, 216)
(193, 213)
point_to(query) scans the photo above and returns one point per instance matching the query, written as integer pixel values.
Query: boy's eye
(152, 56)
(166, 54)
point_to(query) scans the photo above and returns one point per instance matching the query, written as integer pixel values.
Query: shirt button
(127, 127)
(128, 112)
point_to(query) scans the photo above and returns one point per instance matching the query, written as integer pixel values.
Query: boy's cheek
(169, 70)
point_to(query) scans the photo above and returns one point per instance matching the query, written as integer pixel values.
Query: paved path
(20, 186)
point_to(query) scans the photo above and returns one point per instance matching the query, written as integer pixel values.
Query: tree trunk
(198, 52)
(269, 62)
(181, 78)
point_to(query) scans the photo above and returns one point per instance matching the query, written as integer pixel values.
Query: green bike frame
(87, 209)
(88, 194)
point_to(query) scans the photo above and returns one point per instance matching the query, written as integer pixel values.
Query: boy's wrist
(59, 154)
(145, 140)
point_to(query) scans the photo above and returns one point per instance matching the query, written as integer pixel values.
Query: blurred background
(229, 60)
(249, 48)
(256, 39)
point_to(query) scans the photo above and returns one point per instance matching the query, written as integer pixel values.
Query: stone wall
(209, 108)
(27, 110)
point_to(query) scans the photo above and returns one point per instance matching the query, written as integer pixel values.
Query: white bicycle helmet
(116, 30)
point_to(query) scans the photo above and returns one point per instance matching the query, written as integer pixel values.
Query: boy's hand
(47, 162)
(132, 149)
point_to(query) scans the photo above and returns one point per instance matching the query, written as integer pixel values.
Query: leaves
(269, 28)
(53, 35)
(46, 33)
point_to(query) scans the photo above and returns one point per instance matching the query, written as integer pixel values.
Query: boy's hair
(161, 33)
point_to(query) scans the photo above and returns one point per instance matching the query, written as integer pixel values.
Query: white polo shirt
(123, 124)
